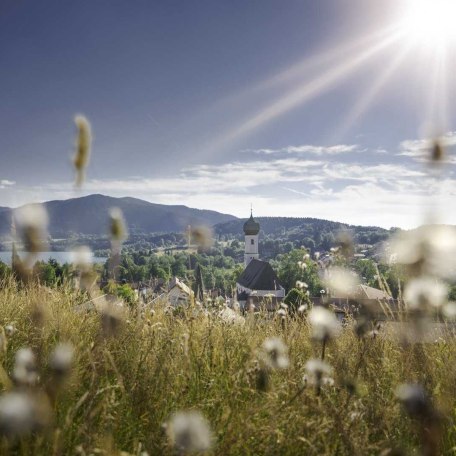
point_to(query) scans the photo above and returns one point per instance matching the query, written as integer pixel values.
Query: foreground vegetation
(130, 375)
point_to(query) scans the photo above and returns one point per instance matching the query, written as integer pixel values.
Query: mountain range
(89, 215)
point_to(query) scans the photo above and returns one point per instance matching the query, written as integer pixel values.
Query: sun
(430, 23)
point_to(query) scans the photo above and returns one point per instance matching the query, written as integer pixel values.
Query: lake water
(60, 257)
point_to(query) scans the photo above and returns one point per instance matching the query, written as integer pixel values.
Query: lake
(60, 257)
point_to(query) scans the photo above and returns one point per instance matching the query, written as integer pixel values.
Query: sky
(299, 108)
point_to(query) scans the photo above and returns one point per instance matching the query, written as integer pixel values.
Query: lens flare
(430, 22)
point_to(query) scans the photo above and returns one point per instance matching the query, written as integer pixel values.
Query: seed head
(324, 324)
(31, 222)
(342, 282)
(202, 236)
(189, 432)
(301, 285)
(317, 373)
(83, 144)
(415, 400)
(10, 330)
(438, 152)
(24, 371)
(275, 353)
(17, 414)
(61, 359)
(427, 250)
(118, 227)
(302, 308)
(424, 293)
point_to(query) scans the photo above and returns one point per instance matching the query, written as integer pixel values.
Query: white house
(178, 293)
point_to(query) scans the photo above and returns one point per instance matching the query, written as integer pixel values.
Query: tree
(297, 266)
(296, 298)
(367, 269)
(5, 271)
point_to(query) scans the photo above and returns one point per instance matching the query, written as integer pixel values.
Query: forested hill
(311, 232)
(89, 215)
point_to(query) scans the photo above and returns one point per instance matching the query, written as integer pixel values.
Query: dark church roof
(259, 275)
(251, 227)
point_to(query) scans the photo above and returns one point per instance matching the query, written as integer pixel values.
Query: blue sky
(300, 107)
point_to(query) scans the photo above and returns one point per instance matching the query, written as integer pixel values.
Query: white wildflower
(275, 353)
(282, 313)
(17, 414)
(324, 323)
(300, 284)
(318, 372)
(10, 330)
(83, 144)
(449, 310)
(24, 371)
(61, 359)
(430, 249)
(342, 282)
(425, 292)
(202, 236)
(189, 432)
(302, 308)
(118, 228)
(31, 222)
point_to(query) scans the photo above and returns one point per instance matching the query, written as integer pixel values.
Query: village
(258, 286)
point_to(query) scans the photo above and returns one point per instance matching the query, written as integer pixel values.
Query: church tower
(251, 231)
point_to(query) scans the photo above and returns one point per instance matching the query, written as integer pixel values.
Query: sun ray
(365, 100)
(304, 92)
(298, 70)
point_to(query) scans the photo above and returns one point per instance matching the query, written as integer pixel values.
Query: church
(258, 285)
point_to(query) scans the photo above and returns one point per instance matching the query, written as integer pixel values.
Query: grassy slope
(123, 389)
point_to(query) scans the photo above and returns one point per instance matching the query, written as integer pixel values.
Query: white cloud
(309, 149)
(6, 183)
(418, 149)
(385, 194)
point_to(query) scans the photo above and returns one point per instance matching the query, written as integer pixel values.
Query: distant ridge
(89, 215)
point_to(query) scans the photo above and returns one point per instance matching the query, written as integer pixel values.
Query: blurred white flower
(425, 292)
(300, 284)
(449, 310)
(202, 236)
(427, 250)
(10, 330)
(275, 353)
(17, 414)
(342, 282)
(24, 371)
(83, 144)
(318, 372)
(282, 313)
(61, 359)
(302, 308)
(189, 432)
(31, 222)
(118, 227)
(324, 323)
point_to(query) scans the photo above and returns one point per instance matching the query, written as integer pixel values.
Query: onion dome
(251, 227)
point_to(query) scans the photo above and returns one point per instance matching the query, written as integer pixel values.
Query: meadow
(127, 375)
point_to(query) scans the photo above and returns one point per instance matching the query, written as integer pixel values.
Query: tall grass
(123, 388)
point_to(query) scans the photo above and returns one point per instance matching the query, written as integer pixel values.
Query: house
(179, 293)
(258, 285)
(376, 302)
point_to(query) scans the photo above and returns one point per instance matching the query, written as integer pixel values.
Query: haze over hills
(89, 215)
(311, 232)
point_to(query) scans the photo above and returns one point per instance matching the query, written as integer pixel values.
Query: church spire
(251, 231)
